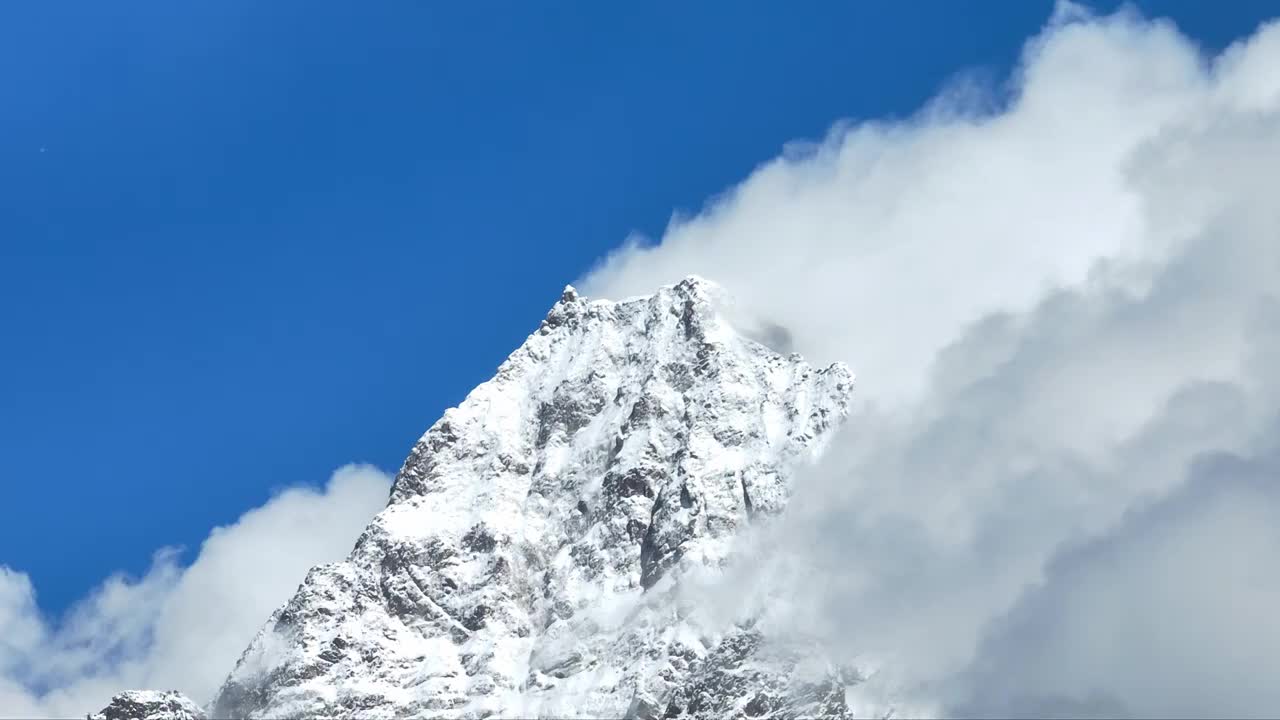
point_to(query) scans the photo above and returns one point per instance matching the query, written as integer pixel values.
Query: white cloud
(1055, 308)
(178, 627)
(1168, 616)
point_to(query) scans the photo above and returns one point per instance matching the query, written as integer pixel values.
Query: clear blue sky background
(244, 243)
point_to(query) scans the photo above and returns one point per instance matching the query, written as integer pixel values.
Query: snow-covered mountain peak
(528, 560)
(150, 705)
(699, 291)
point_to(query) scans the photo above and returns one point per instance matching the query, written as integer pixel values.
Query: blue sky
(242, 244)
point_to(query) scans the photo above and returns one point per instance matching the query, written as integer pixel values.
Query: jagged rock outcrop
(529, 561)
(150, 705)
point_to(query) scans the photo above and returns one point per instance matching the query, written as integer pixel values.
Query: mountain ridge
(529, 558)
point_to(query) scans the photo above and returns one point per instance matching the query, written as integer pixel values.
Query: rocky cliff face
(530, 559)
(150, 705)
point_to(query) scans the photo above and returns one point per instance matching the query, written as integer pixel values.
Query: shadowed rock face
(150, 705)
(529, 559)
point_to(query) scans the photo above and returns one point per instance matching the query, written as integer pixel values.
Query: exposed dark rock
(150, 705)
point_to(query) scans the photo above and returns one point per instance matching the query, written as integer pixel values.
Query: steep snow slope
(528, 561)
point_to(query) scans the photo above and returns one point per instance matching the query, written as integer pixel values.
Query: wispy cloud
(177, 627)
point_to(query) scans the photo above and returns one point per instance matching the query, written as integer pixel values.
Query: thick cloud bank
(1059, 492)
(177, 627)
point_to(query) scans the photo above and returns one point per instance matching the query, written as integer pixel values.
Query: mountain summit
(530, 558)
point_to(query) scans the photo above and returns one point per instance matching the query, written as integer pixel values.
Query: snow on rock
(528, 560)
(149, 705)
